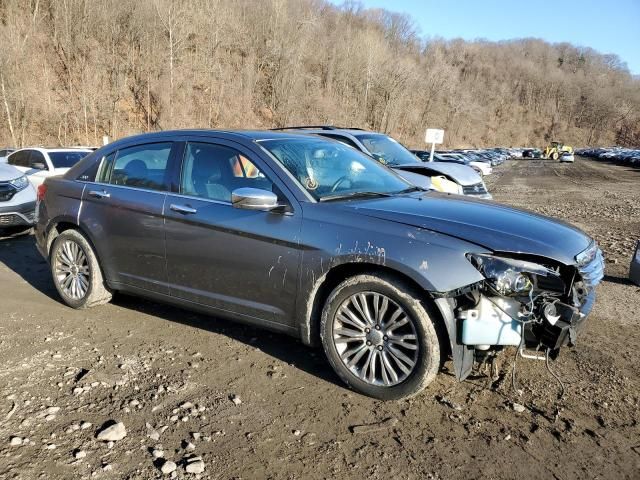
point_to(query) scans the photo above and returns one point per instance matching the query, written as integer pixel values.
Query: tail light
(42, 190)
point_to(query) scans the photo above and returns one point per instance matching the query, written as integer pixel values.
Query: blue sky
(611, 26)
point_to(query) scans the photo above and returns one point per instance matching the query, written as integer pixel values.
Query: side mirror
(254, 199)
(38, 166)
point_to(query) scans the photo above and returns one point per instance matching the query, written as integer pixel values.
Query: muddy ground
(171, 376)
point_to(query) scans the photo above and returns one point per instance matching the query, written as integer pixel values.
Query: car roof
(255, 135)
(55, 149)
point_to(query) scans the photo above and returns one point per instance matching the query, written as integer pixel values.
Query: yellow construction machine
(557, 149)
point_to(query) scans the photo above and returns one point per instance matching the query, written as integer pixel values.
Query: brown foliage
(74, 70)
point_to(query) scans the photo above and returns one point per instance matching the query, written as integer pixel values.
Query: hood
(9, 172)
(422, 181)
(493, 226)
(461, 174)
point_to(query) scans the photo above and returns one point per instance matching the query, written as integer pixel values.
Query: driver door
(244, 262)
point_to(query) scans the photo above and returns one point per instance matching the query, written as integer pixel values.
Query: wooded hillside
(72, 71)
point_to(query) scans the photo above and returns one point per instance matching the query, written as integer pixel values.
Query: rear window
(66, 159)
(142, 166)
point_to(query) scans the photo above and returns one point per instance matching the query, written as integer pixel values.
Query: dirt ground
(172, 376)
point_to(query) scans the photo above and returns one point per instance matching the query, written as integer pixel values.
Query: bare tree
(74, 70)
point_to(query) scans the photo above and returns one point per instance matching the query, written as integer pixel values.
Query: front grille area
(476, 189)
(6, 192)
(593, 271)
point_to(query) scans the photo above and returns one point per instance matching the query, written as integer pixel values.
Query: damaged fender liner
(462, 355)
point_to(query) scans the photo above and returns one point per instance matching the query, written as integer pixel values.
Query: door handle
(98, 194)
(182, 209)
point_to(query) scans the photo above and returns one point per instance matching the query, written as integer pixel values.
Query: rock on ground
(112, 433)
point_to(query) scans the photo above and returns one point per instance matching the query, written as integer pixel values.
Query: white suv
(17, 199)
(40, 163)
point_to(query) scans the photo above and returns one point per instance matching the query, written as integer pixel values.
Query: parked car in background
(390, 152)
(40, 163)
(312, 238)
(17, 200)
(4, 153)
(623, 156)
(532, 153)
(567, 157)
(487, 156)
(483, 168)
(468, 177)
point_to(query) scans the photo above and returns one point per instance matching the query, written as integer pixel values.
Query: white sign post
(433, 136)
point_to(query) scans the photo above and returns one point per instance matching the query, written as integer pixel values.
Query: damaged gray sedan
(311, 238)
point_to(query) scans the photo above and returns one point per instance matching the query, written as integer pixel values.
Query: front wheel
(555, 155)
(379, 338)
(76, 272)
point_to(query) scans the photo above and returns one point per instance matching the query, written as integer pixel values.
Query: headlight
(508, 276)
(587, 255)
(20, 183)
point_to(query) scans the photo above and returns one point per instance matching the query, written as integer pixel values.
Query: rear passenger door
(122, 210)
(239, 261)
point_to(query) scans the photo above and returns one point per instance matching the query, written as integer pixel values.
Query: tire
(375, 288)
(72, 256)
(555, 155)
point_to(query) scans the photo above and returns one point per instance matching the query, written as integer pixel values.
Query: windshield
(66, 159)
(328, 169)
(387, 149)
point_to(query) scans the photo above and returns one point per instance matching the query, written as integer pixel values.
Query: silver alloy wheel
(72, 270)
(375, 339)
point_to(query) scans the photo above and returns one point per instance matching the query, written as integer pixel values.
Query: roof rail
(301, 127)
(319, 127)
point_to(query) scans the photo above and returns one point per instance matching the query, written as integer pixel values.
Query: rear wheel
(76, 272)
(554, 155)
(379, 338)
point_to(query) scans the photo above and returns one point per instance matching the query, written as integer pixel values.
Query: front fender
(435, 262)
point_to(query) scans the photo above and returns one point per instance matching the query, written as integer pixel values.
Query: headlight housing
(587, 255)
(508, 276)
(19, 183)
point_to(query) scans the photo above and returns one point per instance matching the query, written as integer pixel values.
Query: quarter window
(104, 169)
(214, 171)
(142, 166)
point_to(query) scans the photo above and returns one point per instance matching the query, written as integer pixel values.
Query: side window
(37, 160)
(142, 166)
(214, 171)
(243, 168)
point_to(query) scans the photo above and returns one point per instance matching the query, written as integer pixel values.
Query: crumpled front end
(527, 302)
